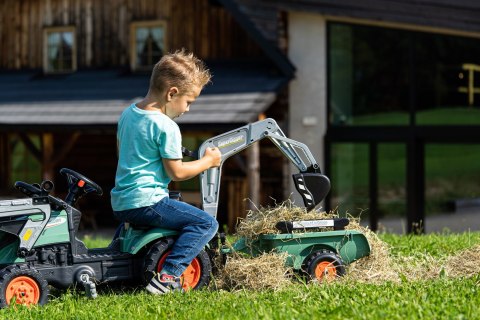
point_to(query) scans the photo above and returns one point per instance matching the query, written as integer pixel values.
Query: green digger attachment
(351, 245)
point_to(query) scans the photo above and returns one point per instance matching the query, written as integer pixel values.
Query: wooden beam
(253, 172)
(47, 157)
(253, 175)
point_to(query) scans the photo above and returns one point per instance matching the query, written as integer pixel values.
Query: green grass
(435, 244)
(438, 299)
(442, 299)
(96, 242)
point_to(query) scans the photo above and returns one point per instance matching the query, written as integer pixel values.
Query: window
(59, 50)
(404, 110)
(383, 76)
(147, 43)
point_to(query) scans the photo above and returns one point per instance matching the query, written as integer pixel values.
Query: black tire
(324, 265)
(22, 282)
(201, 267)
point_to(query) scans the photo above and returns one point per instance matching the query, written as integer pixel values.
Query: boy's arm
(178, 170)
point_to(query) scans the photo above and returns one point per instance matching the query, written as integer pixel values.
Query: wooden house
(350, 79)
(69, 67)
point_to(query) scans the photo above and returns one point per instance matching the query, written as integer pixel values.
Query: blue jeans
(196, 228)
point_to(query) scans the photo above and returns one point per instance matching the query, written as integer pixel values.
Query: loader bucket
(313, 187)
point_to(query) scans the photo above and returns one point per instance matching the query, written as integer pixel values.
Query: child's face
(180, 103)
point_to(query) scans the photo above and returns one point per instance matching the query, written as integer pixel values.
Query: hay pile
(268, 271)
(263, 220)
(464, 264)
(378, 266)
(265, 272)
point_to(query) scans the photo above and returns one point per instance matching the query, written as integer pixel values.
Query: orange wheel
(191, 276)
(24, 290)
(325, 270)
(324, 265)
(22, 284)
(195, 276)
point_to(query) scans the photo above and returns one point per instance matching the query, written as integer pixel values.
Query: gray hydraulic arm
(234, 141)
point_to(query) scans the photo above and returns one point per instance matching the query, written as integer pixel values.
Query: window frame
(133, 41)
(59, 29)
(415, 136)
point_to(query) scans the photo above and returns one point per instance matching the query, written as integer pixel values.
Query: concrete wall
(308, 91)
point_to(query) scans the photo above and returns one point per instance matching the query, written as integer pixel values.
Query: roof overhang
(207, 109)
(95, 99)
(459, 16)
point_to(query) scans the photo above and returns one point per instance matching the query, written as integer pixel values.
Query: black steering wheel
(81, 182)
(28, 189)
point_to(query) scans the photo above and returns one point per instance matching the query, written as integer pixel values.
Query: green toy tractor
(39, 244)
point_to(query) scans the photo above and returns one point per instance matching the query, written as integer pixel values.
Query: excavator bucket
(313, 187)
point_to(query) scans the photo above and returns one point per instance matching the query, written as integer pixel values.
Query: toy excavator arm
(309, 182)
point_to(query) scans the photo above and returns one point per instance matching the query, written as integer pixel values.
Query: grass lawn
(441, 298)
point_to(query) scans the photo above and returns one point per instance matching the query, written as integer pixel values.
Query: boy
(149, 147)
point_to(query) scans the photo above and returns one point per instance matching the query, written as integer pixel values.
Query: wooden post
(47, 157)
(88, 33)
(253, 173)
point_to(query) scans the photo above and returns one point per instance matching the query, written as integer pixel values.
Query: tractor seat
(136, 226)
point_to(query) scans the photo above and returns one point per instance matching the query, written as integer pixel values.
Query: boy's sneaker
(164, 283)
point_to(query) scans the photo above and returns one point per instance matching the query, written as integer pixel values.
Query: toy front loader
(319, 254)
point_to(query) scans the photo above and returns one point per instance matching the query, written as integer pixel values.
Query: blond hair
(180, 69)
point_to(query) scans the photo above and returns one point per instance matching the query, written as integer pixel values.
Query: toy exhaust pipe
(313, 187)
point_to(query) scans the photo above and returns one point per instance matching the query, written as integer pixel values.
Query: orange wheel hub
(191, 275)
(325, 271)
(24, 289)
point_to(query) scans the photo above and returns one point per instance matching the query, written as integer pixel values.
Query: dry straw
(263, 220)
(265, 272)
(464, 264)
(268, 271)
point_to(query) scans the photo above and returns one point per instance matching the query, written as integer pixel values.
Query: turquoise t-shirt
(144, 138)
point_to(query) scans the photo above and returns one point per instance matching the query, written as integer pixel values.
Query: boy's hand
(215, 156)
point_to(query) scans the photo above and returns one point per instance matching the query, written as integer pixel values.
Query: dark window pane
(447, 80)
(392, 179)
(60, 51)
(349, 176)
(369, 75)
(149, 45)
(452, 174)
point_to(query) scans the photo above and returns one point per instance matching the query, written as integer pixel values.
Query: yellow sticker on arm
(27, 234)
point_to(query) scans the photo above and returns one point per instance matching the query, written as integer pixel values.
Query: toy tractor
(39, 243)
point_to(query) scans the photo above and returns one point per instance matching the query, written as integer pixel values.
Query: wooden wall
(103, 29)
